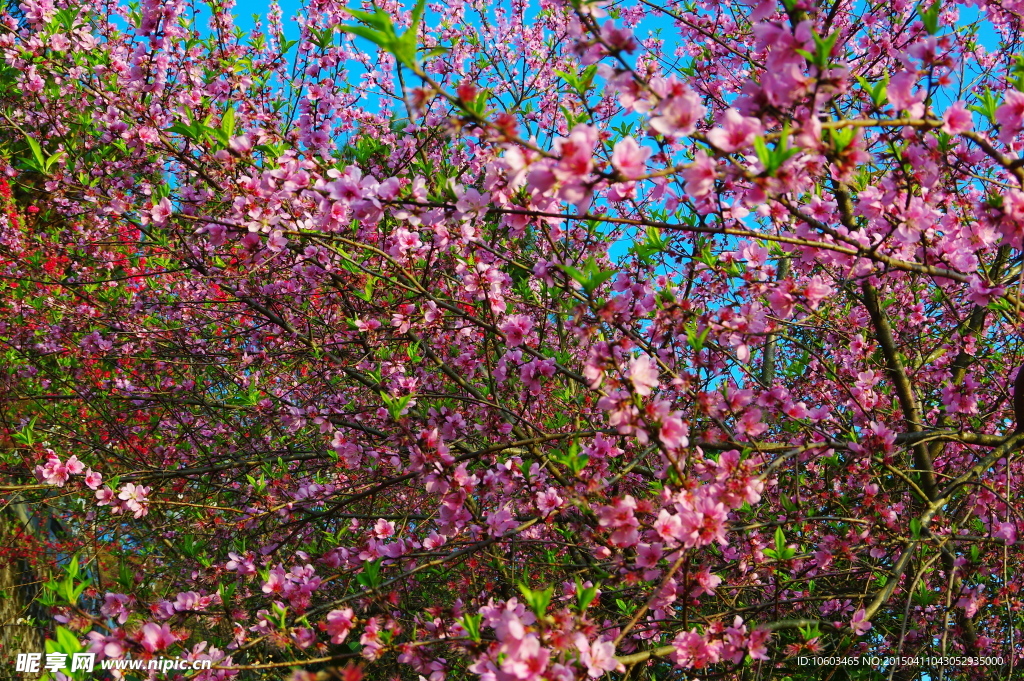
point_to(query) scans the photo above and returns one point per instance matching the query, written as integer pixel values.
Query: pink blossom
(704, 523)
(629, 158)
(243, 565)
(956, 119)
(471, 202)
(679, 114)
(527, 660)
(277, 241)
(94, 342)
(749, 424)
(622, 191)
(621, 519)
(548, 501)
(105, 496)
(900, 95)
(156, 637)
(981, 293)
(668, 526)
(859, 623)
(782, 302)
(384, 529)
(163, 609)
(240, 145)
(1010, 116)
(501, 522)
(160, 212)
(275, 581)
(707, 582)
(693, 651)
(757, 644)
(93, 479)
(597, 656)
(134, 498)
(971, 599)
(577, 153)
(517, 329)
(303, 637)
(510, 623)
(643, 374)
(116, 606)
(816, 290)
(53, 472)
(106, 646)
(404, 243)
(673, 432)
(737, 132)
(338, 624)
(648, 555)
(1005, 531)
(700, 175)
(434, 541)
(618, 39)
(188, 601)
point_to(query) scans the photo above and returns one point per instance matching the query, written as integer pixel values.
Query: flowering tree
(514, 342)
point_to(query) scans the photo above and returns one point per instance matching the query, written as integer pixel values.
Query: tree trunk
(22, 619)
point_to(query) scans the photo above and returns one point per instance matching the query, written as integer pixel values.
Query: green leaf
(655, 243)
(915, 528)
(781, 551)
(572, 459)
(66, 18)
(380, 30)
(930, 17)
(26, 436)
(761, 149)
(286, 44)
(772, 159)
(987, 105)
(842, 138)
(580, 83)
(379, 20)
(38, 160)
(417, 17)
(538, 600)
(65, 642)
(51, 161)
(370, 577)
(396, 406)
(227, 123)
(322, 38)
(878, 91)
(367, 293)
(282, 613)
(809, 56)
(569, 78)
(37, 151)
(378, 38)
(591, 278)
(823, 49)
(585, 595)
(810, 631)
(471, 623)
(574, 274)
(696, 339)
